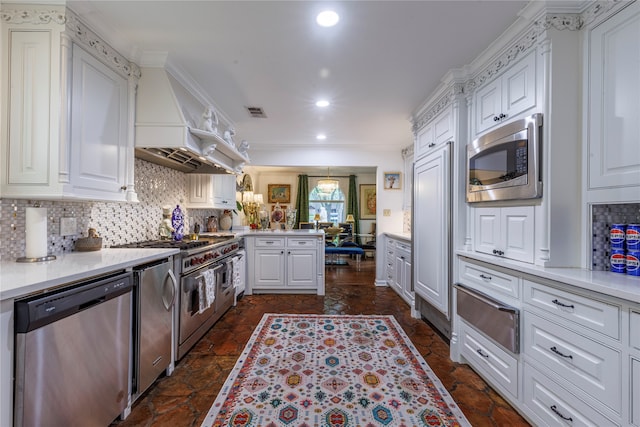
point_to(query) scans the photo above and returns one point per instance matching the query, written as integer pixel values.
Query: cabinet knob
(433, 144)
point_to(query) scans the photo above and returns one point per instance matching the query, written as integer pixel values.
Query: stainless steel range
(199, 264)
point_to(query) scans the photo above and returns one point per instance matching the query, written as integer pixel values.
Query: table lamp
(316, 218)
(350, 220)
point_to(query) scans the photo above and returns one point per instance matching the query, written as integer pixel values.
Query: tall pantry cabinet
(438, 212)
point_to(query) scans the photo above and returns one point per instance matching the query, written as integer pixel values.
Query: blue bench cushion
(344, 250)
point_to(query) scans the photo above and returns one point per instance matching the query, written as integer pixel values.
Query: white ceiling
(377, 66)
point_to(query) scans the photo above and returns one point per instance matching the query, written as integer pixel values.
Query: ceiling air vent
(256, 112)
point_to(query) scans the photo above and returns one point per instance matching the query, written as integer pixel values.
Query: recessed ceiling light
(321, 136)
(322, 103)
(328, 18)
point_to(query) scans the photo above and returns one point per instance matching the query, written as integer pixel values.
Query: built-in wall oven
(505, 164)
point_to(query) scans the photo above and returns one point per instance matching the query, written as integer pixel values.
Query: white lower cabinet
(285, 264)
(398, 268)
(575, 359)
(579, 360)
(549, 404)
(505, 232)
(489, 359)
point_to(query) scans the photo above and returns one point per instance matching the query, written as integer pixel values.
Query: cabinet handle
(556, 302)
(124, 187)
(559, 353)
(485, 277)
(302, 243)
(554, 409)
(498, 252)
(269, 242)
(281, 252)
(433, 144)
(482, 353)
(288, 252)
(502, 116)
(496, 118)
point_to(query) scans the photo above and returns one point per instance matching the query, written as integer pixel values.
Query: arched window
(330, 206)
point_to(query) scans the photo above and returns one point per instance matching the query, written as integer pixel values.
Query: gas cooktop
(182, 245)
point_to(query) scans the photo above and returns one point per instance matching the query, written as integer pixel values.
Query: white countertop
(20, 279)
(283, 233)
(401, 236)
(604, 282)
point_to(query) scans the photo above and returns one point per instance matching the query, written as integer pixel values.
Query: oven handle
(190, 284)
(484, 298)
(169, 304)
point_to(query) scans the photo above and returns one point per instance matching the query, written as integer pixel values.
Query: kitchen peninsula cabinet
(285, 262)
(398, 267)
(84, 150)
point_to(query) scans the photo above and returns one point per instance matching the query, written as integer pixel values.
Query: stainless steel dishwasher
(72, 354)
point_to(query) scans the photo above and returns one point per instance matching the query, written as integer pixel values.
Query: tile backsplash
(115, 222)
(602, 216)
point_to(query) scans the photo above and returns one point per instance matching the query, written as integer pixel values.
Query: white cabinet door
(614, 103)
(301, 268)
(200, 190)
(508, 96)
(517, 227)
(425, 139)
(99, 111)
(224, 191)
(269, 270)
(507, 232)
(28, 152)
(487, 230)
(443, 126)
(635, 392)
(431, 241)
(488, 105)
(407, 291)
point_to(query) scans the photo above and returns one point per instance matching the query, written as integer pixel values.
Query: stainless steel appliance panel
(498, 321)
(72, 368)
(156, 297)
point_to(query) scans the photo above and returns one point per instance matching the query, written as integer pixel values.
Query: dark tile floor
(184, 398)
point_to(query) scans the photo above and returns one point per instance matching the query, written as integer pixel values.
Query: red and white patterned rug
(334, 371)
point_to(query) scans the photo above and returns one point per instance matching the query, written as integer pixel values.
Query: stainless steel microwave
(504, 164)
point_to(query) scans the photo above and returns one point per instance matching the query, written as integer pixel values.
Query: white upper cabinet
(508, 96)
(83, 150)
(613, 110)
(211, 191)
(440, 129)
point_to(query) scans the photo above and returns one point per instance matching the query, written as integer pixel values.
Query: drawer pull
(559, 353)
(556, 302)
(302, 243)
(485, 277)
(554, 409)
(482, 353)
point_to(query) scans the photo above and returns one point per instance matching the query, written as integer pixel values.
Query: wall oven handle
(169, 304)
(485, 298)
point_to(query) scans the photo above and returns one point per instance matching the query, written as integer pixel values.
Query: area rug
(334, 371)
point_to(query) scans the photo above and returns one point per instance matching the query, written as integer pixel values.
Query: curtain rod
(331, 176)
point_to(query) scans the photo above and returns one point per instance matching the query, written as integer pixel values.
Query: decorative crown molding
(599, 8)
(447, 99)
(80, 33)
(407, 151)
(34, 16)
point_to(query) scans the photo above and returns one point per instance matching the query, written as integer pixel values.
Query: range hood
(166, 118)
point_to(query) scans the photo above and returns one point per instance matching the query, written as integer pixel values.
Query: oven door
(191, 317)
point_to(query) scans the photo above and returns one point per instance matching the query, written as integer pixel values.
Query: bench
(334, 251)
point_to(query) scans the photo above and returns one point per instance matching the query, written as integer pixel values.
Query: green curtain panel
(352, 206)
(302, 201)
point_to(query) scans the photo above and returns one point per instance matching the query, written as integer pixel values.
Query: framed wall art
(279, 193)
(367, 201)
(392, 181)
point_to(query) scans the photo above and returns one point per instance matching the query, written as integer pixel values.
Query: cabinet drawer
(549, 404)
(592, 367)
(266, 242)
(593, 314)
(489, 359)
(293, 242)
(488, 280)
(634, 329)
(404, 247)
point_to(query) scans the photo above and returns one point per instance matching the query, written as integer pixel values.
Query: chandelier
(328, 186)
